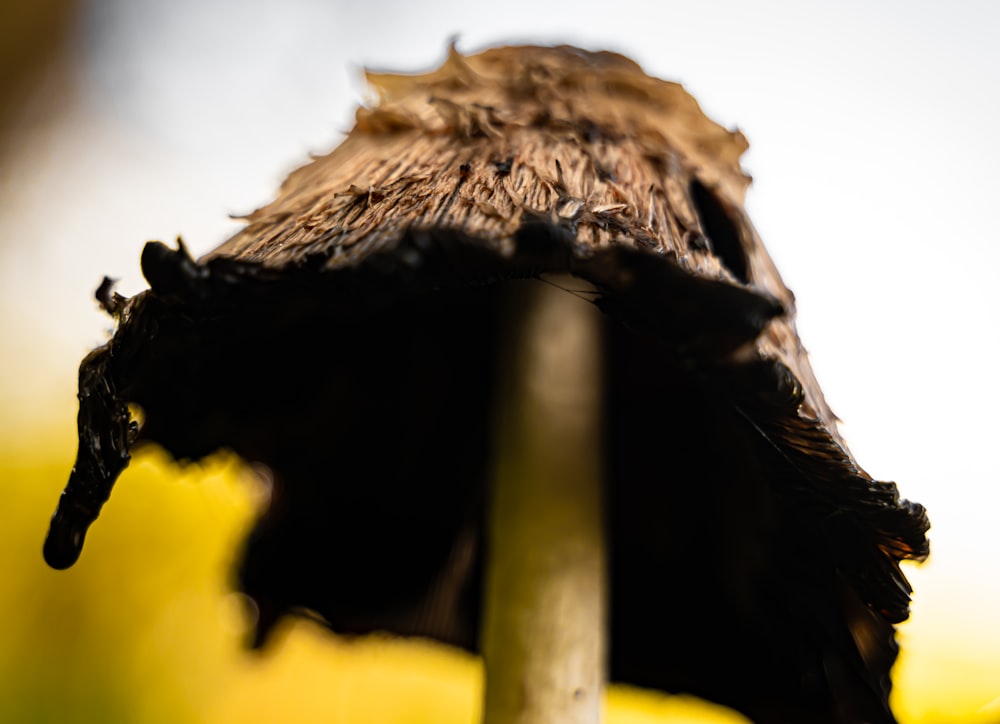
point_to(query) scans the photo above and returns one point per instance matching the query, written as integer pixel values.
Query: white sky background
(874, 152)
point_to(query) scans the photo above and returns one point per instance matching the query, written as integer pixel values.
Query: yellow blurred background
(124, 121)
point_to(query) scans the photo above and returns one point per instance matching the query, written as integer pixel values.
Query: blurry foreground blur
(146, 629)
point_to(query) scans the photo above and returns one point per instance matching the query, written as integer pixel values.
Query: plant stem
(544, 637)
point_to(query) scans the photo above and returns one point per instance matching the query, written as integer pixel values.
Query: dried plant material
(346, 339)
